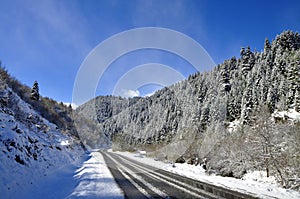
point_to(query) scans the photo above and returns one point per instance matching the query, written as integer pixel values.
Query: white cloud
(150, 73)
(130, 93)
(150, 94)
(74, 106)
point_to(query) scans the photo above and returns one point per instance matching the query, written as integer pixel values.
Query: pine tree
(248, 60)
(225, 76)
(35, 95)
(297, 100)
(288, 40)
(293, 77)
(247, 104)
(283, 94)
(204, 119)
(267, 47)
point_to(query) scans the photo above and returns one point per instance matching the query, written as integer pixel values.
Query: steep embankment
(31, 146)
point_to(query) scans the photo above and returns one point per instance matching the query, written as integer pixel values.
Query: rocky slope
(31, 146)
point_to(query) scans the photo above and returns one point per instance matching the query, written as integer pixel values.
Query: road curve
(138, 180)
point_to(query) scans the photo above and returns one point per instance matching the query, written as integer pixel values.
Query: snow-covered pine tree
(204, 119)
(35, 95)
(225, 76)
(267, 47)
(248, 60)
(282, 93)
(247, 104)
(293, 76)
(297, 100)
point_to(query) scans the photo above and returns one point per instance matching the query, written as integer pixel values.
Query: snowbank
(95, 180)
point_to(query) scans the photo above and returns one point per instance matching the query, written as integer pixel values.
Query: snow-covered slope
(31, 147)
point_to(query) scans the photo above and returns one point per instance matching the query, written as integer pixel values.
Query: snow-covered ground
(95, 180)
(88, 178)
(254, 183)
(290, 114)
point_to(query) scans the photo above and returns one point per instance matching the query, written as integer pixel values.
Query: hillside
(31, 146)
(230, 118)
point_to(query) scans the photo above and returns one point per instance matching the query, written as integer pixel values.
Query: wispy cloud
(175, 14)
(58, 23)
(157, 13)
(45, 30)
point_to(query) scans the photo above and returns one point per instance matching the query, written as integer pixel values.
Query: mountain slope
(231, 91)
(89, 117)
(212, 116)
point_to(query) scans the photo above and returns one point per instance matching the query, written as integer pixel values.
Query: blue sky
(48, 40)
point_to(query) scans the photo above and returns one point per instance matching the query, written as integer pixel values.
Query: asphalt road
(140, 181)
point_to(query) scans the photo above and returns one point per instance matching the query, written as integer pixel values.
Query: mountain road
(138, 180)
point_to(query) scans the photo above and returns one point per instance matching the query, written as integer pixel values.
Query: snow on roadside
(260, 176)
(87, 178)
(253, 183)
(95, 180)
